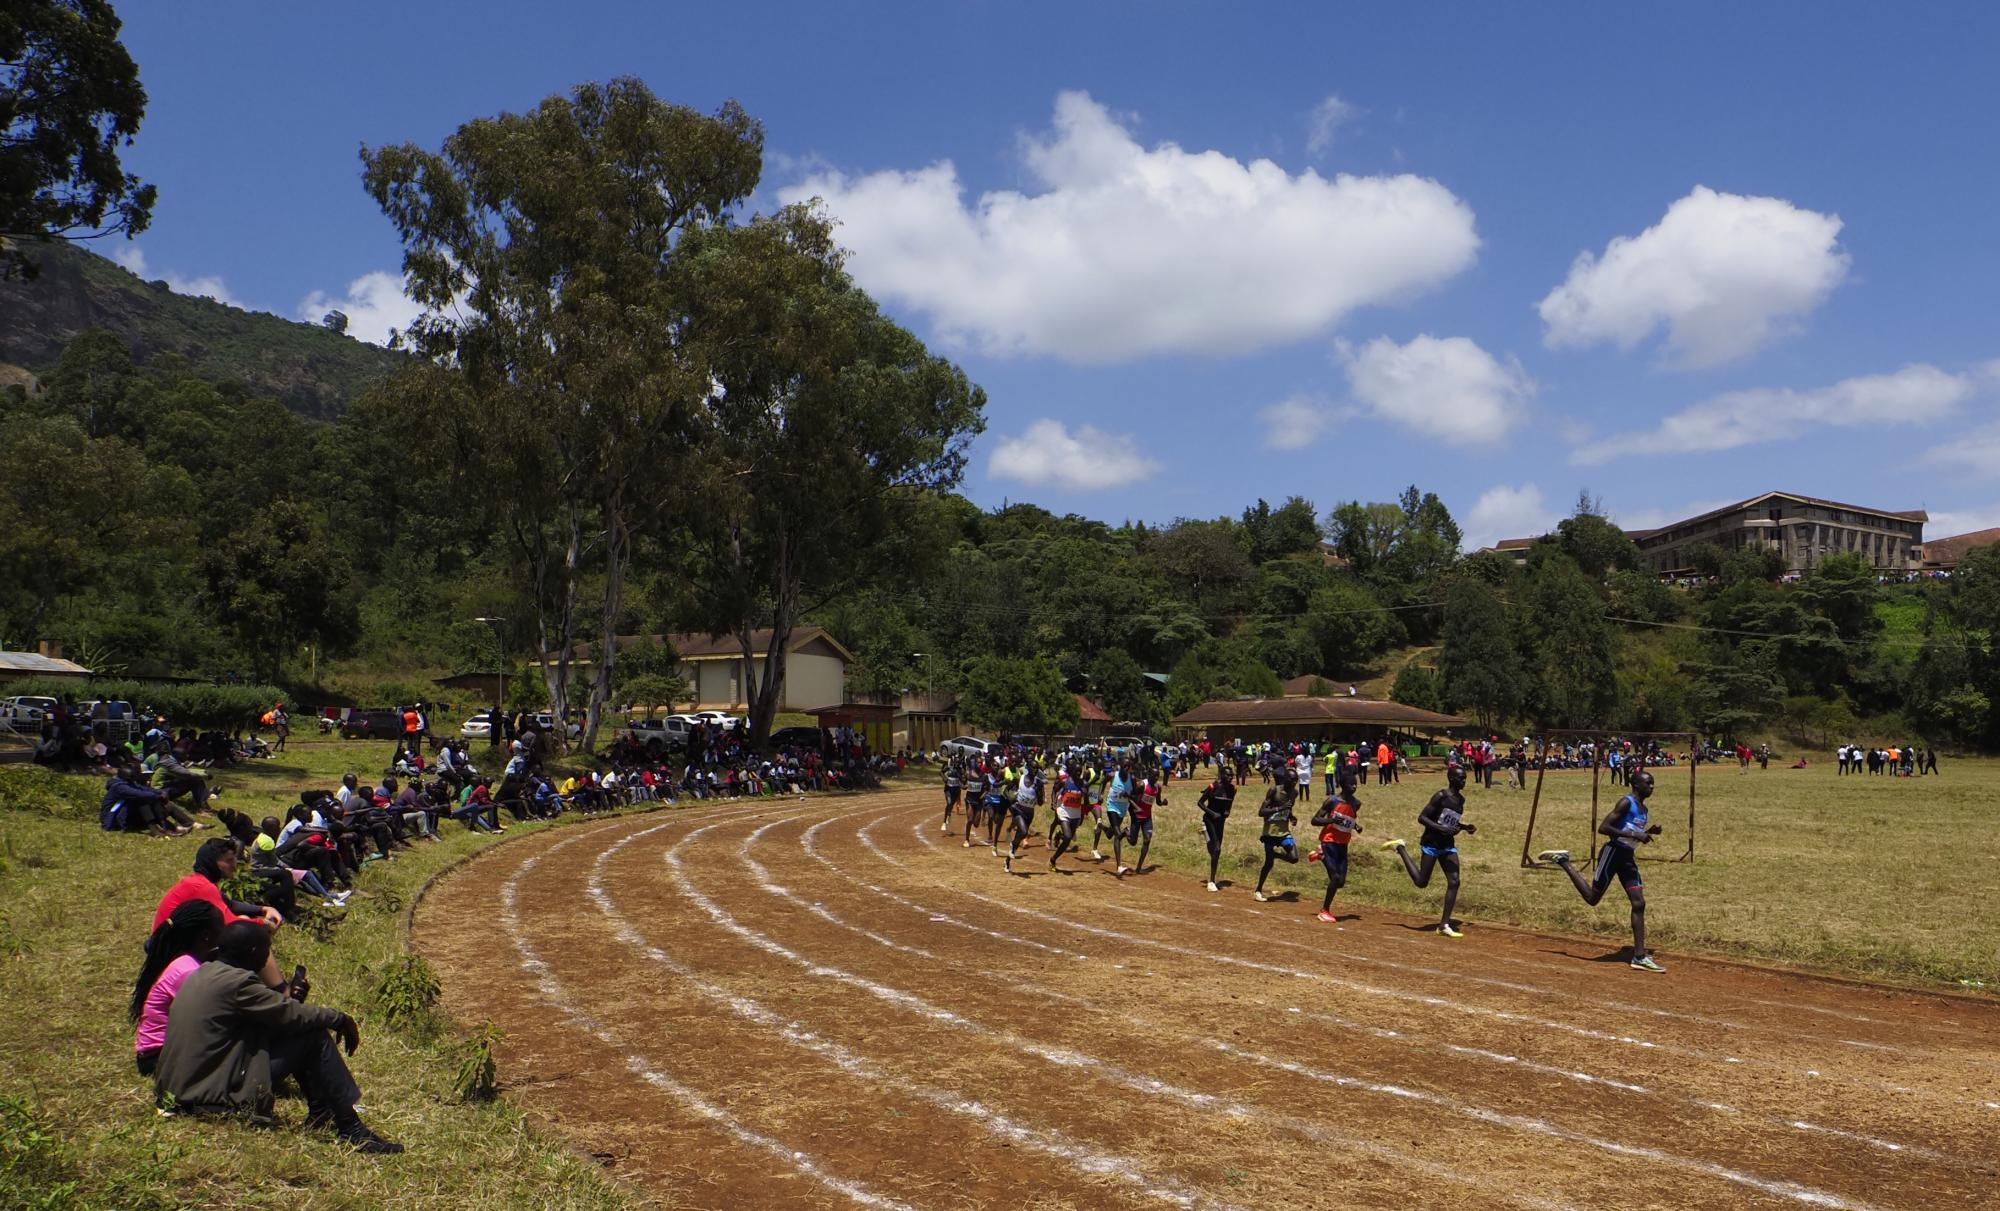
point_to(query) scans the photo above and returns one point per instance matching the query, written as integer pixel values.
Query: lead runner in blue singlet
(1626, 826)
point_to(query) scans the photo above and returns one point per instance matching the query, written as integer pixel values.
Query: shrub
(407, 994)
(223, 706)
(478, 1077)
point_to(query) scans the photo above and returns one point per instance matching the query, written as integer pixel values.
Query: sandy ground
(832, 1003)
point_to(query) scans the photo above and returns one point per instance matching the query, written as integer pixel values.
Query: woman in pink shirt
(183, 942)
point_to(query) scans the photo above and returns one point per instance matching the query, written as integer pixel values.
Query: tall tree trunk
(555, 676)
(616, 541)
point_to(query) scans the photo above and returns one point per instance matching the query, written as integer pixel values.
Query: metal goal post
(1601, 735)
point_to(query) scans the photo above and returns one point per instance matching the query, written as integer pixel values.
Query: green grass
(76, 1122)
(1873, 877)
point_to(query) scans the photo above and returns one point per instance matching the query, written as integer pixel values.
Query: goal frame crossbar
(1601, 736)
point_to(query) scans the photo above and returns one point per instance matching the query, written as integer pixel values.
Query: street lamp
(500, 688)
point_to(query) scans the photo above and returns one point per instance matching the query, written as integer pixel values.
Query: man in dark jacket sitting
(231, 1039)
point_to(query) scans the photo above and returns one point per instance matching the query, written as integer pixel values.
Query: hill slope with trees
(308, 368)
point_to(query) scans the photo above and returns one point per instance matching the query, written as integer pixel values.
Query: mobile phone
(298, 973)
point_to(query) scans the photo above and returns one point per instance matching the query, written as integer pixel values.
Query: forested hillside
(305, 367)
(158, 523)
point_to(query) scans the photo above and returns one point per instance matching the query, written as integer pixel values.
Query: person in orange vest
(1385, 762)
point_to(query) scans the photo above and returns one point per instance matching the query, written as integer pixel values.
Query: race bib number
(1449, 819)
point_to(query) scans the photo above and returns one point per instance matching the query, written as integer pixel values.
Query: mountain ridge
(310, 369)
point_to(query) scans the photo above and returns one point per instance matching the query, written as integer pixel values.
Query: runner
(1276, 811)
(1442, 820)
(1626, 825)
(1337, 826)
(1070, 798)
(1215, 803)
(954, 781)
(987, 806)
(1026, 794)
(1144, 796)
(1117, 804)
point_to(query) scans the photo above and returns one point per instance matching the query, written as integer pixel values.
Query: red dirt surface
(830, 1004)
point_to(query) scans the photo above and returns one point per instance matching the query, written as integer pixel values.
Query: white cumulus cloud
(375, 306)
(207, 286)
(1723, 274)
(1047, 454)
(1504, 511)
(1295, 422)
(1447, 388)
(1915, 394)
(1125, 251)
(1327, 117)
(1948, 523)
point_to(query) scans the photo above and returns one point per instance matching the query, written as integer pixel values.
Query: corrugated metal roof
(1313, 712)
(34, 662)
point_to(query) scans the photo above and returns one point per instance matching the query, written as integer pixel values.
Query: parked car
(26, 710)
(797, 737)
(372, 723)
(968, 746)
(658, 735)
(477, 726)
(725, 721)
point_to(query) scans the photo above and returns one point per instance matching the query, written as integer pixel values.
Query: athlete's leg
(1593, 890)
(1145, 845)
(1449, 862)
(1118, 847)
(1213, 829)
(1064, 839)
(1334, 858)
(1637, 894)
(1419, 875)
(1271, 847)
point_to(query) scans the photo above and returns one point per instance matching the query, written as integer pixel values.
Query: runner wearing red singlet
(1069, 799)
(1337, 827)
(1140, 830)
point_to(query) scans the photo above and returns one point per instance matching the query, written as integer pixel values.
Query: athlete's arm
(1428, 817)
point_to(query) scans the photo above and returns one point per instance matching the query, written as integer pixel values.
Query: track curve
(825, 1004)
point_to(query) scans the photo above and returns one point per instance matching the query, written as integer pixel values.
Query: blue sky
(1198, 253)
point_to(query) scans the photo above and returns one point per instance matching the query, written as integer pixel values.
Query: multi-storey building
(1802, 529)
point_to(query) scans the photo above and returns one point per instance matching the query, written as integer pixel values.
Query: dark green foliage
(204, 706)
(1418, 685)
(70, 98)
(1017, 696)
(1567, 645)
(1479, 663)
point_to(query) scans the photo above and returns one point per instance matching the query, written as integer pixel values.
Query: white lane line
(1085, 1158)
(1512, 986)
(931, 913)
(915, 1004)
(1065, 1057)
(556, 995)
(762, 875)
(1420, 998)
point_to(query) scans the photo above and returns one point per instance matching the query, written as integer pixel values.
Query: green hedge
(223, 706)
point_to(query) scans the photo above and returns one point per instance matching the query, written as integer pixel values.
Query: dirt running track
(829, 1004)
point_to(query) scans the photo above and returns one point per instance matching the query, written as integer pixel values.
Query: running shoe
(1260, 897)
(1095, 856)
(1646, 963)
(1213, 887)
(943, 828)
(1557, 856)
(1398, 843)
(1449, 930)
(968, 843)
(1313, 856)
(1328, 917)
(1009, 861)
(1124, 870)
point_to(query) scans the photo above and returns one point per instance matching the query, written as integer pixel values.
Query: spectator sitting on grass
(214, 862)
(130, 804)
(231, 1038)
(306, 841)
(304, 862)
(183, 942)
(476, 809)
(178, 779)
